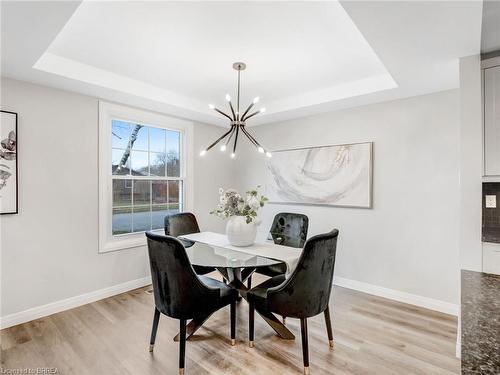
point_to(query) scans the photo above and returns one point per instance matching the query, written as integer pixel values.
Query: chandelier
(237, 121)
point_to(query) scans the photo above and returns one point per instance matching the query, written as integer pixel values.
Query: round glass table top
(201, 254)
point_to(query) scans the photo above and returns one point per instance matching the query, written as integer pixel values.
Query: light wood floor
(373, 336)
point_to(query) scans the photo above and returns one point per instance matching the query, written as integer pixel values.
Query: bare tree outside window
(126, 153)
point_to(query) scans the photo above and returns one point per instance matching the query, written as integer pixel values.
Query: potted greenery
(241, 212)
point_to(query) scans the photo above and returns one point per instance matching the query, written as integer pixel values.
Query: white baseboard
(70, 303)
(458, 348)
(412, 299)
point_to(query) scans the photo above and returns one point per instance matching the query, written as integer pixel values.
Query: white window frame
(108, 112)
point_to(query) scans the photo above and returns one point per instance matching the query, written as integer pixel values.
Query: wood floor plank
(372, 336)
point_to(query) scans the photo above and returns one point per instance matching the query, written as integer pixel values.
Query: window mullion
(150, 181)
(166, 151)
(132, 208)
(138, 178)
(151, 205)
(168, 197)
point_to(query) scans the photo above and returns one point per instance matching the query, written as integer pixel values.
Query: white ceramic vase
(239, 233)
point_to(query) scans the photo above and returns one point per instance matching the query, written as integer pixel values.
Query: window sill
(126, 242)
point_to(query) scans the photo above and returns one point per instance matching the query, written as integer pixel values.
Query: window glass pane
(140, 133)
(160, 192)
(116, 159)
(141, 192)
(122, 193)
(173, 149)
(157, 163)
(173, 140)
(174, 194)
(120, 134)
(140, 163)
(122, 220)
(157, 140)
(173, 165)
(141, 220)
(158, 216)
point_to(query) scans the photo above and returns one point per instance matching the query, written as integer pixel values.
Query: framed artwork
(8, 163)
(338, 175)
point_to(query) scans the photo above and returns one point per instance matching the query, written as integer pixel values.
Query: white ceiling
(302, 57)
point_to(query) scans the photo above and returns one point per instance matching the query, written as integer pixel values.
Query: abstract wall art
(8, 163)
(339, 175)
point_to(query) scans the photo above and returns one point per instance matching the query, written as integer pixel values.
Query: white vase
(239, 233)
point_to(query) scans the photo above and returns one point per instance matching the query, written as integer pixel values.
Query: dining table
(236, 264)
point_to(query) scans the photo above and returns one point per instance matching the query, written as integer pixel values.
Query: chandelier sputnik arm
(246, 111)
(253, 114)
(238, 121)
(256, 144)
(228, 98)
(253, 140)
(220, 139)
(249, 136)
(235, 141)
(222, 113)
(223, 147)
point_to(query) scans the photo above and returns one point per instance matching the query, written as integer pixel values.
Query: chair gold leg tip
(181, 371)
(306, 370)
(332, 344)
(250, 344)
(233, 342)
(151, 347)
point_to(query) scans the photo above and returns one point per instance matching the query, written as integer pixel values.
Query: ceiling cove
(300, 54)
(303, 58)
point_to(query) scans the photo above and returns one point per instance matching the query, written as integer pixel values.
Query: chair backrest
(307, 291)
(289, 229)
(182, 223)
(177, 290)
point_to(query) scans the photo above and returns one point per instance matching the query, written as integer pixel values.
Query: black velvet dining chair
(288, 229)
(181, 294)
(185, 223)
(306, 293)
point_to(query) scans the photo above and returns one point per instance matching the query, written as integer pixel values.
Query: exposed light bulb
(223, 148)
(211, 106)
(233, 155)
(228, 97)
(256, 100)
(203, 152)
(262, 110)
(268, 154)
(260, 149)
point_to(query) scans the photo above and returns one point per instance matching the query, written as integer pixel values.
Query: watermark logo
(28, 370)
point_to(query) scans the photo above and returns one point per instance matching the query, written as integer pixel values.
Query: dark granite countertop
(480, 323)
(491, 234)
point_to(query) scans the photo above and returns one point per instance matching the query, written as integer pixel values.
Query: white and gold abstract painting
(339, 175)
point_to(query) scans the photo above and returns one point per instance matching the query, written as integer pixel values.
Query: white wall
(49, 251)
(211, 172)
(408, 242)
(471, 163)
